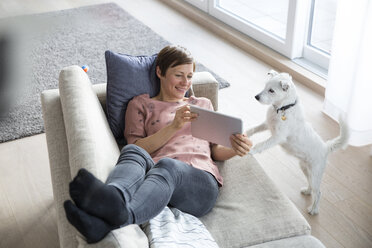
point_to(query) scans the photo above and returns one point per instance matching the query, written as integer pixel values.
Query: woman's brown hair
(171, 56)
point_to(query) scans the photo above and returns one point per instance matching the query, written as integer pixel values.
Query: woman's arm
(154, 142)
(240, 146)
(157, 140)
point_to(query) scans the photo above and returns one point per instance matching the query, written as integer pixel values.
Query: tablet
(214, 127)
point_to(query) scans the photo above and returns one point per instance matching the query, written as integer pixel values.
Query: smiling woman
(175, 67)
(162, 163)
(175, 83)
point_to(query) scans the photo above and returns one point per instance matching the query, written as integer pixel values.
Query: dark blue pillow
(127, 76)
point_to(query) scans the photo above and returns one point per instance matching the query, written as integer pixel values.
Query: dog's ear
(287, 75)
(272, 73)
(284, 84)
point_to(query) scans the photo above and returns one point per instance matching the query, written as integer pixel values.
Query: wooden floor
(27, 215)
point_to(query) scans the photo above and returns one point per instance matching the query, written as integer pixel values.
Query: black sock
(93, 228)
(98, 199)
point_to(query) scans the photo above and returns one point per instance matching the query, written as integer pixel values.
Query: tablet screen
(215, 127)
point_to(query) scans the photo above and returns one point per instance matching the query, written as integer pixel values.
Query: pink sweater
(146, 116)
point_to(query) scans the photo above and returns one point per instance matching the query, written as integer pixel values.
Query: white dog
(289, 129)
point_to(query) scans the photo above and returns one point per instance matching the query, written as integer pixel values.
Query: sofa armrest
(78, 136)
(58, 161)
(91, 144)
(205, 85)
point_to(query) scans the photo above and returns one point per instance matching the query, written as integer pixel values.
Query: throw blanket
(173, 228)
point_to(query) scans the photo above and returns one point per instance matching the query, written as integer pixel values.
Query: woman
(162, 165)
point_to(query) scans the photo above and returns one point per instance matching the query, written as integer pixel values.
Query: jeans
(148, 187)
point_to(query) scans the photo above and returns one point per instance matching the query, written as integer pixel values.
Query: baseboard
(249, 45)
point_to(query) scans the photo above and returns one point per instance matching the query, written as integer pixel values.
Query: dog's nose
(257, 97)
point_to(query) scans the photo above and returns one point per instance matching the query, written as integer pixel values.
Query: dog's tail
(342, 140)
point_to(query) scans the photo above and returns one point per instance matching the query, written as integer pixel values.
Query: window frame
(312, 53)
(200, 4)
(296, 44)
(290, 46)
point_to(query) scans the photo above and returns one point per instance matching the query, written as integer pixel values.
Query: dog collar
(286, 107)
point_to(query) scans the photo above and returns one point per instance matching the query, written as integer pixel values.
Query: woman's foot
(93, 228)
(98, 199)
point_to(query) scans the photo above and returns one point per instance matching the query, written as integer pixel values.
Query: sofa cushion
(250, 209)
(305, 241)
(127, 76)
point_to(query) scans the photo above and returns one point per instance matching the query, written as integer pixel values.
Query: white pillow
(173, 228)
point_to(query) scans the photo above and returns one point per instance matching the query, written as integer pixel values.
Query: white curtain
(349, 86)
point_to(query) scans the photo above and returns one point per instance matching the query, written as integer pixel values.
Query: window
(320, 32)
(299, 29)
(256, 13)
(322, 22)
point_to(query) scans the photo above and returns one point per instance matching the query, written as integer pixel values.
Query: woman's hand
(155, 141)
(240, 144)
(183, 115)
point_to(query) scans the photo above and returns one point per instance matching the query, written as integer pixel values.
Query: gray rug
(54, 40)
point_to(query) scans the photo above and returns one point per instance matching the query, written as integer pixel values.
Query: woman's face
(176, 82)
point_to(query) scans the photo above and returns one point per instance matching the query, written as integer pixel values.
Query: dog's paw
(312, 211)
(306, 190)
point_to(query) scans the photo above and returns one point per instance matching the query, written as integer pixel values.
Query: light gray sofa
(250, 210)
